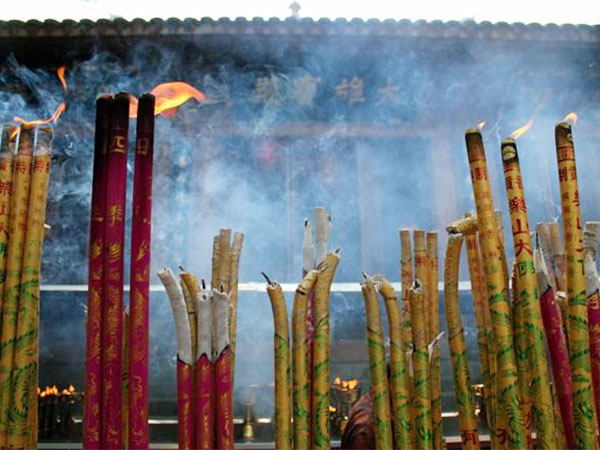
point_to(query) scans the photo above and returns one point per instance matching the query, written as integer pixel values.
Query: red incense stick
(185, 389)
(140, 276)
(92, 417)
(112, 296)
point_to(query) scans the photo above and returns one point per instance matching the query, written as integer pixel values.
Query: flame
(71, 388)
(480, 125)
(520, 131)
(169, 97)
(60, 73)
(352, 384)
(65, 392)
(571, 118)
(337, 381)
(43, 394)
(60, 109)
(332, 409)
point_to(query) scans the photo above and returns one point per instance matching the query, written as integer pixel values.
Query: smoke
(369, 127)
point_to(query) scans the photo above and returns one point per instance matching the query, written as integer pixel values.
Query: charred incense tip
(508, 141)
(305, 223)
(417, 286)
(221, 288)
(337, 251)
(365, 276)
(563, 126)
(473, 131)
(269, 282)
(203, 283)
(508, 147)
(182, 269)
(104, 96)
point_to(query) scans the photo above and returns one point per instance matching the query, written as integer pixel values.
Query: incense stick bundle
(301, 399)
(320, 353)
(406, 272)
(421, 402)
(114, 235)
(590, 244)
(527, 296)
(222, 358)
(458, 346)
(14, 260)
(507, 389)
(283, 388)
(398, 380)
(557, 346)
(558, 256)
(205, 439)
(8, 147)
(579, 342)
(25, 366)
(139, 302)
(185, 361)
(379, 382)
(92, 415)
(434, 330)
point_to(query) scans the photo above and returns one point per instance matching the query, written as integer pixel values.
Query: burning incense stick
(114, 235)
(422, 272)
(92, 414)
(590, 244)
(214, 281)
(421, 402)
(301, 399)
(14, 260)
(458, 346)
(224, 270)
(406, 273)
(558, 256)
(399, 391)
(507, 389)
(125, 379)
(8, 148)
(236, 253)
(465, 226)
(527, 296)
(185, 361)
(283, 391)
(320, 356)
(191, 302)
(25, 367)
(579, 342)
(557, 346)
(379, 382)
(204, 375)
(434, 330)
(223, 379)
(139, 301)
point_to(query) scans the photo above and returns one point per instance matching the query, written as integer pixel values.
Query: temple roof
(468, 30)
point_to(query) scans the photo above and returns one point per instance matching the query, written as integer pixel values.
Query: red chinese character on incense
(517, 204)
(520, 246)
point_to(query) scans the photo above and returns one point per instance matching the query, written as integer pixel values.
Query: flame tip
(571, 118)
(522, 130)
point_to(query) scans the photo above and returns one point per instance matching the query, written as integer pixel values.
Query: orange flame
(60, 109)
(352, 384)
(332, 409)
(571, 118)
(71, 388)
(43, 394)
(65, 392)
(337, 381)
(60, 73)
(480, 125)
(520, 131)
(169, 97)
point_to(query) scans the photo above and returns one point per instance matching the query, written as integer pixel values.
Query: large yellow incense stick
(236, 252)
(434, 329)
(224, 277)
(509, 425)
(421, 402)
(458, 346)
(25, 366)
(422, 272)
(283, 387)
(399, 391)
(379, 382)
(527, 295)
(301, 399)
(320, 360)
(14, 260)
(214, 283)
(7, 154)
(407, 280)
(579, 342)
(191, 303)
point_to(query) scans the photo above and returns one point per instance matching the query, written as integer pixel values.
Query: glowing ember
(571, 118)
(480, 125)
(337, 381)
(71, 388)
(352, 384)
(169, 97)
(332, 409)
(520, 131)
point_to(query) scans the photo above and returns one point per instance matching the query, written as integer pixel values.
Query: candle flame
(480, 125)
(571, 118)
(520, 131)
(169, 97)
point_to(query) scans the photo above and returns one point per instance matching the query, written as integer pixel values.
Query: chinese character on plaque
(350, 91)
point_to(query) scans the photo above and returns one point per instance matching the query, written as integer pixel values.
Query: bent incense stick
(398, 380)
(458, 346)
(509, 423)
(14, 259)
(25, 367)
(527, 295)
(139, 301)
(92, 400)
(557, 346)
(421, 402)
(8, 148)
(301, 399)
(378, 371)
(320, 354)
(205, 439)
(185, 427)
(114, 235)
(579, 342)
(283, 388)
